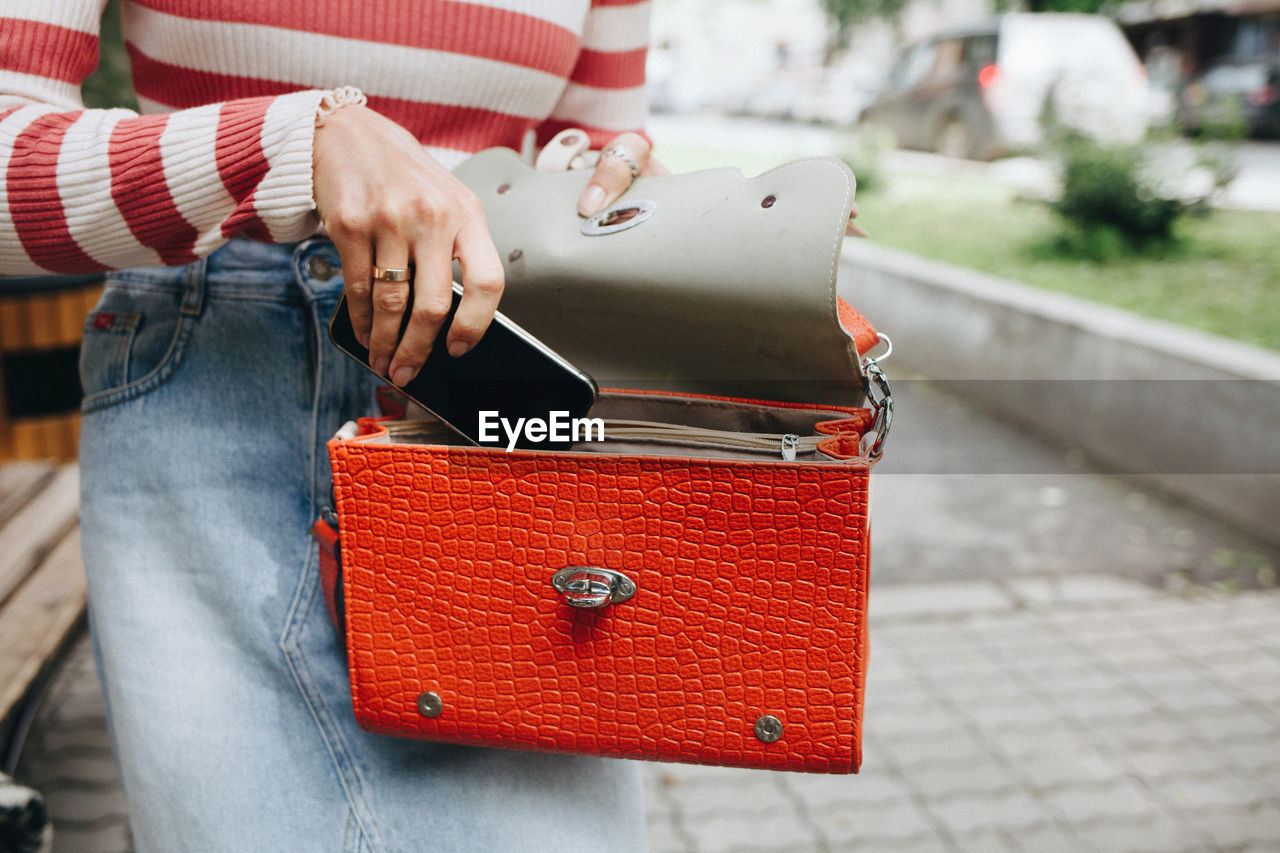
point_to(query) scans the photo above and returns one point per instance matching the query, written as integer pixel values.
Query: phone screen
(496, 394)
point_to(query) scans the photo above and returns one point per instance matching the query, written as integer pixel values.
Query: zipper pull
(789, 442)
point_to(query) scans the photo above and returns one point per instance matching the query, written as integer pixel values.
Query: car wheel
(954, 140)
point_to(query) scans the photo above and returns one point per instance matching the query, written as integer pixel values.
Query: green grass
(1223, 276)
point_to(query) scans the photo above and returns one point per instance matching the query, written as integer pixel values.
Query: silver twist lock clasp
(592, 587)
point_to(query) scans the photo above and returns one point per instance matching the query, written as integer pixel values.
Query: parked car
(985, 90)
(1234, 91)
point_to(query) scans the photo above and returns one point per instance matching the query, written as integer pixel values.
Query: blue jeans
(210, 392)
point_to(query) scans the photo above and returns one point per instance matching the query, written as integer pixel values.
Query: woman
(258, 186)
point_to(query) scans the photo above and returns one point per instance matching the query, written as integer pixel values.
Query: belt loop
(196, 285)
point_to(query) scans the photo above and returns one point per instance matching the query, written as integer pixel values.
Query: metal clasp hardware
(621, 216)
(876, 383)
(789, 443)
(591, 587)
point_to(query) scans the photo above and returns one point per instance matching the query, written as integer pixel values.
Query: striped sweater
(228, 91)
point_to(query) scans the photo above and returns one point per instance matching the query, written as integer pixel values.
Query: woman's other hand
(384, 201)
(614, 173)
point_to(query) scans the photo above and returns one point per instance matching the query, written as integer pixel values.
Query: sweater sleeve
(606, 93)
(89, 190)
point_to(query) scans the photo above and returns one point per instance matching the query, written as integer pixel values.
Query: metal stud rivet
(502, 189)
(516, 254)
(320, 268)
(768, 728)
(768, 201)
(431, 705)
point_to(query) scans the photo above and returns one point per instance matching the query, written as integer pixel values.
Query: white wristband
(343, 96)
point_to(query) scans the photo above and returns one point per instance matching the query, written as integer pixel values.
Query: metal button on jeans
(321, 269)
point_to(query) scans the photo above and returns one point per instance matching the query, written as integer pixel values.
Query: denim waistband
(248, 270)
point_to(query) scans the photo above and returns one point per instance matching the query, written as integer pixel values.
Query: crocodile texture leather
(751, 600)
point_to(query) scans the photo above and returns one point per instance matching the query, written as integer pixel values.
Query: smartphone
(510, 390)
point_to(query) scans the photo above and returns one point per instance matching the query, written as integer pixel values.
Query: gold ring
(380, 274)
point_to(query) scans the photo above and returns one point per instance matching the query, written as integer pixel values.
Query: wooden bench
(42, 587)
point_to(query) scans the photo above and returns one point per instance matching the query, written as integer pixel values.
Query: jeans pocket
(133, 342)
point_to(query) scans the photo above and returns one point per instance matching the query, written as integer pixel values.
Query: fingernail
(402, 375)
(363, 338)
(458, 348)
(380, 366)
(592, 200)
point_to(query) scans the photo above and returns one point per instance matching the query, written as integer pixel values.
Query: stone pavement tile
(1077, 589)
(1195, 697)
(1016, 741)
(1231, 827)
(967, 813)
(1058, 768)
(1096, 624)
(1100, 703)
(1155, 764)
(989, 840)
(1082, 674)
(84, 806)
(1023, 709)
(759, 792)
(1168, 674)
(896, 694)
(1138, 836)
(874, 785)
(764, 829)
(1122, 734)
(890, 823)
(896, 601)
(1043, 839)
(957, 746)
(1121, 799)
(995, 686)
(1212, 792)
(936, 781)
(1228, 723)
(930, 721)
(1252, 754)
(919, 844)
(112, 838)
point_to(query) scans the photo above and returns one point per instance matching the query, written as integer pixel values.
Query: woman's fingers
(386, 202)
(625, 157)
(851, 228)
(482, 283)
(357, 275)
(390, 291)
(432, 299)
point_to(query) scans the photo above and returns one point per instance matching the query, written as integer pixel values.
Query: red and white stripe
(230, 89)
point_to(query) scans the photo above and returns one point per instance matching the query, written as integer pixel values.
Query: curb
(1194, 413)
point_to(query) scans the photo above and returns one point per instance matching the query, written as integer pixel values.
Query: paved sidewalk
(1076, 714)
(1088, 713)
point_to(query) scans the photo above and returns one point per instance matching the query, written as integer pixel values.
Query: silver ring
(623, 153)
(380, 274)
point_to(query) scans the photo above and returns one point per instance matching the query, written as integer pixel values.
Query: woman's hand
(613, 173)
(386, 202)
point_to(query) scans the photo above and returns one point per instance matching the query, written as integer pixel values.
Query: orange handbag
(675, 599)
(694, 587)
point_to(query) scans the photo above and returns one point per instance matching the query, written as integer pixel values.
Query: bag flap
(717, 283)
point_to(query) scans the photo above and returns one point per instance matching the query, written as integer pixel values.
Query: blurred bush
(1119, 200)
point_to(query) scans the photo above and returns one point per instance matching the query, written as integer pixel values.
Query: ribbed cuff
(285, 198)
